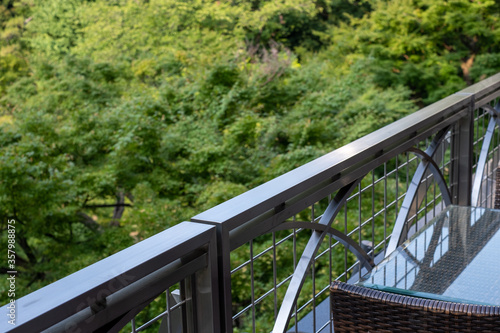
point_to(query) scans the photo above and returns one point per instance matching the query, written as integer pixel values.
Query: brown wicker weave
(360, 309)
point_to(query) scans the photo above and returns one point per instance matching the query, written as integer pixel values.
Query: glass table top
(455, 257)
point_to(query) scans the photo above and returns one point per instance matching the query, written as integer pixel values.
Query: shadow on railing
(265, 259)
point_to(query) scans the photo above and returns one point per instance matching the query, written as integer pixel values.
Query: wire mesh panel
(170, 312)
(263, 267)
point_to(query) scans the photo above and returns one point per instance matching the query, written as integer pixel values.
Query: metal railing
(107, 295)
(267, 257)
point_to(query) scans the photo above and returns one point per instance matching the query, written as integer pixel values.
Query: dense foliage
(121, 118)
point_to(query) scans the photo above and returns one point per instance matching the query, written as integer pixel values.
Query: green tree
(126, 117)
(428, 46)
(14, 16)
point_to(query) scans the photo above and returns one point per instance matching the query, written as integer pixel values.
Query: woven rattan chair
(360, 309)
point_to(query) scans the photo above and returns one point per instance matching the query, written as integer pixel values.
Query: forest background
(119, 119)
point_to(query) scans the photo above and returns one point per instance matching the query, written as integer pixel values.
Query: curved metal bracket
(445, 191)
(350, 244)
(481, 163)
(307, 258)
(494, 111)
(410, 204)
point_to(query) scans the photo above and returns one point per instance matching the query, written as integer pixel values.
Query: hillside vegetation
(120, 118)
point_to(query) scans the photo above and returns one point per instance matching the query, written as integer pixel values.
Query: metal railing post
(221, 277)
(204, 289)
(462, 157)
(224, 278)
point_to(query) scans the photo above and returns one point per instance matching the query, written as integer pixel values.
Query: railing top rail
(265, 197)
(73, 293)
(483, 89)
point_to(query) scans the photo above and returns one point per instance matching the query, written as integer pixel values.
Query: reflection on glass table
(455, 257)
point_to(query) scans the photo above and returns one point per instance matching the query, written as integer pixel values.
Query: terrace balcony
(263, 261)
